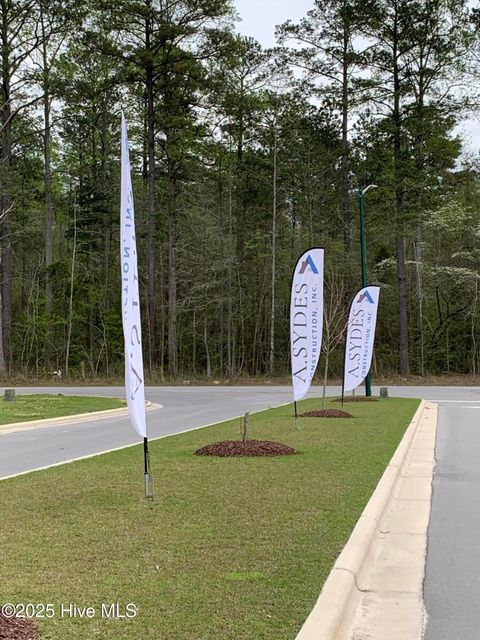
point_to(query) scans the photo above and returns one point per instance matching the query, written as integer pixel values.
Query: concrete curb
(333, 614)
(73, 419)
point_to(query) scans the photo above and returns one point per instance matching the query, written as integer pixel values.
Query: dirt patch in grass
(233, 448)
(17, 629)
(326, 413)
(356, 399)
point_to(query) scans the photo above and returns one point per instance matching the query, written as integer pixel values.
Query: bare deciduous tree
(334, 320)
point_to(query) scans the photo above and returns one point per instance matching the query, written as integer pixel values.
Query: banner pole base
(147, 476)
(149, 485)
(297, 419)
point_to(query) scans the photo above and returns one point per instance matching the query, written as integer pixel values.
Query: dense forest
(242, 158)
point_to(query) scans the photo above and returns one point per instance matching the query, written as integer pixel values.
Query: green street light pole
(363, 258)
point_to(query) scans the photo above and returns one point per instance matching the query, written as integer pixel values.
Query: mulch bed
(326, 413)
(233, 448)
(357, 399)
(17, 629)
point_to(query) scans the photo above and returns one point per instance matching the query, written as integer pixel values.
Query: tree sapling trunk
(245, 427)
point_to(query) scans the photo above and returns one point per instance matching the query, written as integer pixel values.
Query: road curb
(75, 418)
(332, 616)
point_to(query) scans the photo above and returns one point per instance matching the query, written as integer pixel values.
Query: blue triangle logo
(309, 263)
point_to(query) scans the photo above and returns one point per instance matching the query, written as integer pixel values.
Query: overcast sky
(259, 18)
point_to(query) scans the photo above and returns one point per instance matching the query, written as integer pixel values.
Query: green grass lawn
(231, 549)
(39, 406)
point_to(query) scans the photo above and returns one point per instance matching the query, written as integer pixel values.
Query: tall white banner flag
(306, 319)
(132, 329)
(360, 337)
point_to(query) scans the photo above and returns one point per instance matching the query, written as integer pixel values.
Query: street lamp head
(370, 186)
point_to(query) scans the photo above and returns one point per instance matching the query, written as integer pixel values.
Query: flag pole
(344, 362)
(149, 480)
(363, 258)
(297, 421)
(131, 320)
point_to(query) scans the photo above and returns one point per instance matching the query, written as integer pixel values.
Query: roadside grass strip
(231, 548)
(44, 406)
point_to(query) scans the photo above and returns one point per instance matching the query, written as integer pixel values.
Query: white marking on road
(458, 401)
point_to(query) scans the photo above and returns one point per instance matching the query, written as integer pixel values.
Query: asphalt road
(452, 583)
(183, 408)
